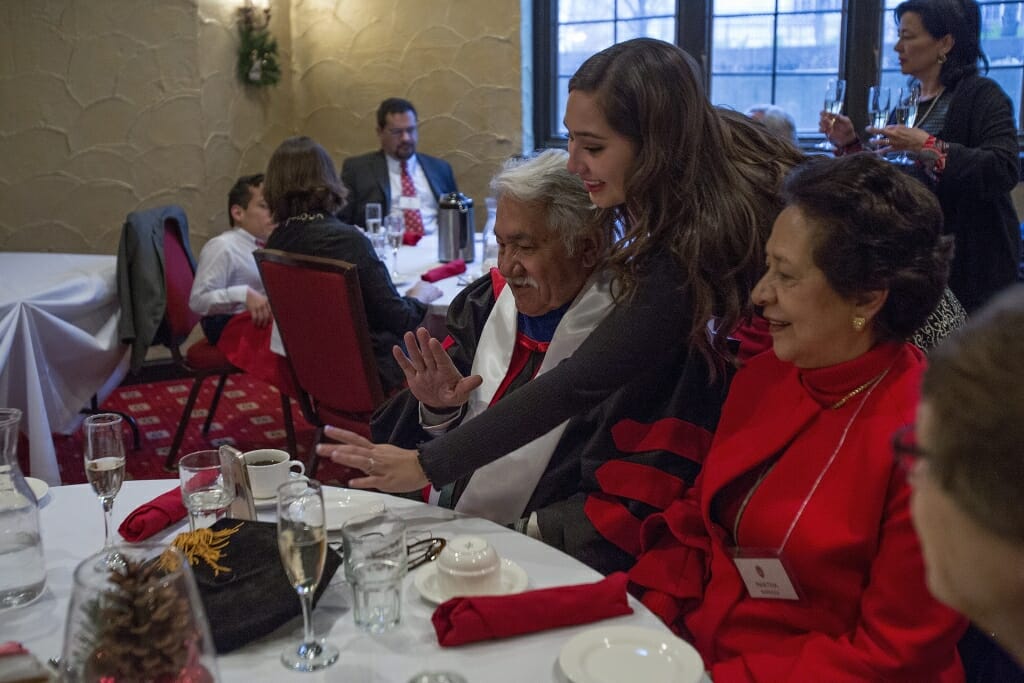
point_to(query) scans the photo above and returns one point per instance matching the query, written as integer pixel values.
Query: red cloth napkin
(444, 270)
(154, 516)
(411, 239)
(467, 620)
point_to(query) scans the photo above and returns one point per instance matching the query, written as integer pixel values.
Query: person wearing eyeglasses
(793, 557)
(396, 176)
(966, 467)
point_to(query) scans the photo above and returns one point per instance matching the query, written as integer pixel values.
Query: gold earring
(942, 58)
(858, 323)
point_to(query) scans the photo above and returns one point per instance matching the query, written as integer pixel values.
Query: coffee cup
(468, 565)
(269, 468)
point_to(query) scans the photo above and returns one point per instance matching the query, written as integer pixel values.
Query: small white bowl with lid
(468, 565)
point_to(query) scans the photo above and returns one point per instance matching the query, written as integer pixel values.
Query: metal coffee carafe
(455, 228)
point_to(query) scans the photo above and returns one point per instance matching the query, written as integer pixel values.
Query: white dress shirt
(225, 273)
(428, 202)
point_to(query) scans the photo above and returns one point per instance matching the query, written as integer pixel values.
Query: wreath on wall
(257, 56)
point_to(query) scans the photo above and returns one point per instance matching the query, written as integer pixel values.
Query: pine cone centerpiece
(143, 627)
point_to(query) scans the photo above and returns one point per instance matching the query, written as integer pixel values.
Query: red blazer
(866, 613)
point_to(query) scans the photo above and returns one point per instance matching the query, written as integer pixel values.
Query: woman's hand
(388, 468)
(900, 138)
(432, 376)
(837, 128)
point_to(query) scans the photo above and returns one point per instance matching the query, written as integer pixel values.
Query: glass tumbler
(375, 564)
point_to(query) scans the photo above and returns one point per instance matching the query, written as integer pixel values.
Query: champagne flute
(905, 114)
(835, 93)
(104, 468)
(302, 542)
(394, 225)
(879, 103)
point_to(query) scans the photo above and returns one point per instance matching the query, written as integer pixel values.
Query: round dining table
(72, 529)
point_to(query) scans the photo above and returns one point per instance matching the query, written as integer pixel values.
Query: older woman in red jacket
(794, 558)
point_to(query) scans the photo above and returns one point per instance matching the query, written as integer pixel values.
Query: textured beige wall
(458, 61)
(114, 105)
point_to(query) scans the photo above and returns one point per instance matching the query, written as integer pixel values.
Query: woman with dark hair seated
(304, 194)
(793, 557)
(966, 468)
(963, 138)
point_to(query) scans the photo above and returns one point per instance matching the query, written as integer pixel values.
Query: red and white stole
(500, 490)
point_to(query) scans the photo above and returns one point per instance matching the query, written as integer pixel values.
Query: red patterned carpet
(248, 417)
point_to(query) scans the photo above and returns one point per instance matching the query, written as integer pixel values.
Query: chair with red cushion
(319, 312)
(201, 359)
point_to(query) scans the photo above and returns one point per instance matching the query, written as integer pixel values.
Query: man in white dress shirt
(396, 176)
(227, 282)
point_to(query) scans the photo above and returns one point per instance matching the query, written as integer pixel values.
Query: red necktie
(413, 218)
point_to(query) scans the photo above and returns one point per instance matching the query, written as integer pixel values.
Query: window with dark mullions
(1002, 41)
(756, 51)
(589, 26)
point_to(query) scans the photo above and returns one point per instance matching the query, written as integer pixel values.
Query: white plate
(513, 580)
(38, 486)
(341, 505)
(629, 653)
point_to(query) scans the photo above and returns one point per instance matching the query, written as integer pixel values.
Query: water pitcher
(22, 570)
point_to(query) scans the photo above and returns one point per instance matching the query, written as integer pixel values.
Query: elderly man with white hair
(586, 485)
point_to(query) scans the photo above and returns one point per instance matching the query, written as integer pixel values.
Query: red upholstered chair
(201, 359)
(319, 312)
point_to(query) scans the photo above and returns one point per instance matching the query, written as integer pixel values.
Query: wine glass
(879, 102)
(207, 487)
(104, 468)
(394, 226)
(835, 93)
(905, 114)
(302, 542)
(380, 244)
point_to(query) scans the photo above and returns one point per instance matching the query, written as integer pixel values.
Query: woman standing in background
(964, 138)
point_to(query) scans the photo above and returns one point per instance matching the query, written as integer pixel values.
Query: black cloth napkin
(255, 597)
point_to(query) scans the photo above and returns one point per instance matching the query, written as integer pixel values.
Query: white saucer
(341, 505)
(513, 580)
(629, 653)
(265, 503)
(39, 487)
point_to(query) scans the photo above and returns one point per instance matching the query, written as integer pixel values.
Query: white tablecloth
(414, 261)
(58, 343)
(73, 528)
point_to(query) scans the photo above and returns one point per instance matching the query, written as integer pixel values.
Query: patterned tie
(413, 218)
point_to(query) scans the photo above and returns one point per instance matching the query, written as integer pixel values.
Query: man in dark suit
(396, 176)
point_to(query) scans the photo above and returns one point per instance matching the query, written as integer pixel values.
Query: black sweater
(974, 190)
(636, 335)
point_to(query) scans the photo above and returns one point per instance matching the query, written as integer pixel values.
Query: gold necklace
(867, 385)
(935, 100)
